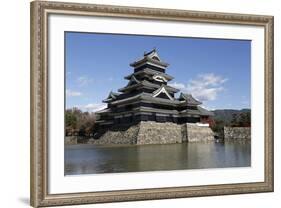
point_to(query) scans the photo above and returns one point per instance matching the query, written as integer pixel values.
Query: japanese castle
(148, 97)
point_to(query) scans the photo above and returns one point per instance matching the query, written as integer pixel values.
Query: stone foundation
(70, 140)
(237, 133)
(118, 135)
(149, 132)
(158, 133)
(195, 133)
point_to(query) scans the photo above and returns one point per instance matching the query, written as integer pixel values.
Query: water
(89, 159)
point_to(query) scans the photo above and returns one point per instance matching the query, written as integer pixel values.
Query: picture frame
(40, 89)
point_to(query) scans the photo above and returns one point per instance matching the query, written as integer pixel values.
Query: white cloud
(70, 93)
(178, 85)
(212, 79)
(205, 87)
(206, 94)
(83, 80)
(93, 107)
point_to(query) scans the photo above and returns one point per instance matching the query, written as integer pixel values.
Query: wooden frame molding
(39, 103)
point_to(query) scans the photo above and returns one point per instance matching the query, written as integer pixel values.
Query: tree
(70, 119)
(245, 119)
(234, 120)
(78, 122)
(218, 126)
(242, 119)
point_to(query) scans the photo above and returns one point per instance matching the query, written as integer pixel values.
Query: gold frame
(39, 103)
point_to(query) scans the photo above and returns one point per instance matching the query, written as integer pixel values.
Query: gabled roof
(189, 99)
(160, 90)
(133, 80)
(112, 96)
(152, 54)
(151, 57)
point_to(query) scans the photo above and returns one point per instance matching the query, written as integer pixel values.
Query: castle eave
(148, 85)
(149, 73)
(205, 112)
(149, 60)
(106, 110)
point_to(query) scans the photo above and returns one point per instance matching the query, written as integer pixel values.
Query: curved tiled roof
(149, 72)
(111, 96)
(152, 57)
(189, 99)
(147, 84)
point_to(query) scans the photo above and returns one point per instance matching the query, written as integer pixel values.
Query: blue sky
(215, 71)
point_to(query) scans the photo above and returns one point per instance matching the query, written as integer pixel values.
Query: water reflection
(88, 159)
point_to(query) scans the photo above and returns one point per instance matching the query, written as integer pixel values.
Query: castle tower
(149, 97)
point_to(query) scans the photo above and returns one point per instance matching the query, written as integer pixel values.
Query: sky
(215, 71)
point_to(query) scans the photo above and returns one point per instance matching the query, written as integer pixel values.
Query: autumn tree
(78, 122)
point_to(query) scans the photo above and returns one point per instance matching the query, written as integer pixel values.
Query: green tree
(242, 119)
(245, 119)
(70, 119)
(234, 120)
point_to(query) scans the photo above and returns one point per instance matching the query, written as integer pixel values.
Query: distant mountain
(226, 114)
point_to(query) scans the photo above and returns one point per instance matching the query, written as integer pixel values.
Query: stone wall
(159, 133)
(237, 133)
(70, 140)
(195, 133)
(150, 132)
(118, 135)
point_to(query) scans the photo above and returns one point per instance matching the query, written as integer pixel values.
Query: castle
(147, 101)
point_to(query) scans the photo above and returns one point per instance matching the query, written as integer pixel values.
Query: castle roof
(162, 89)
(189, 99)
(133, 80)
(147, 84)
(147, 97)
(112, 96)
(150, 73)
(152, 54)
(205, 112)
(150, 57)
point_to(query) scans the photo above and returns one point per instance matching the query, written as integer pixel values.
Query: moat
(91, 159)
